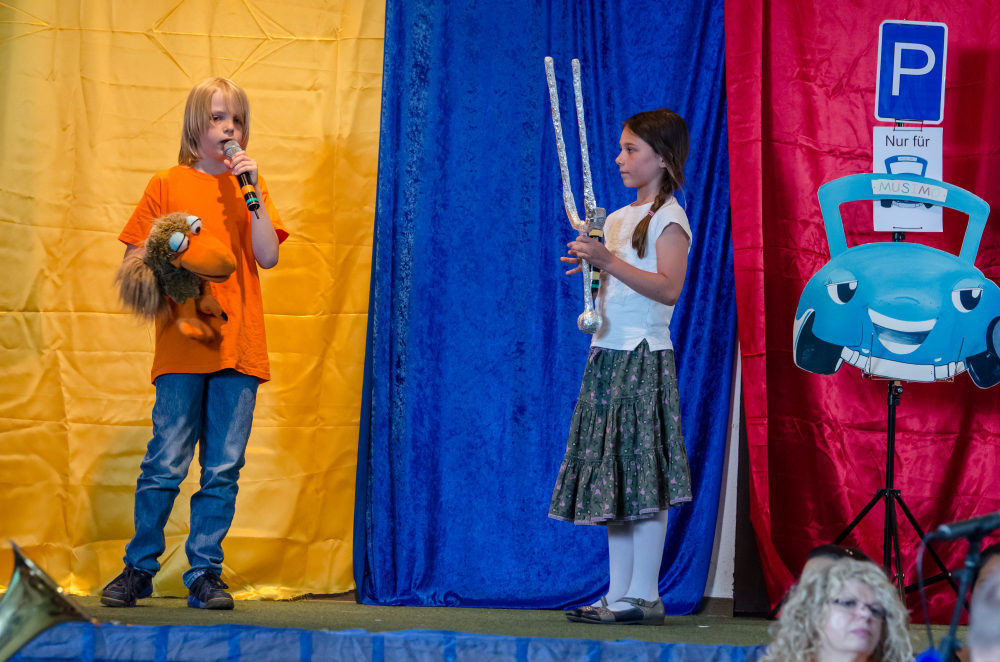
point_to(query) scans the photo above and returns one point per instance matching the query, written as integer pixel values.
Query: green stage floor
(339, 615)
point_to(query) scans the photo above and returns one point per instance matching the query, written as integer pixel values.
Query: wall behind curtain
(476, 359)
(91, 104)
(801, 85)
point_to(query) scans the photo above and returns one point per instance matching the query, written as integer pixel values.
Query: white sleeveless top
(629, 317)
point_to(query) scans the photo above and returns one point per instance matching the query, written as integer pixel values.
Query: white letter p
(898, 70)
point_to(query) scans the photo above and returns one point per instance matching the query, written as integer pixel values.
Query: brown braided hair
(667, 133)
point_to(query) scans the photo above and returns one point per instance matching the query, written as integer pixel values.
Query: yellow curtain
(92, 98)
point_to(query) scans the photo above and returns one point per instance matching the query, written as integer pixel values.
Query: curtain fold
(801, 89)
(475, 359)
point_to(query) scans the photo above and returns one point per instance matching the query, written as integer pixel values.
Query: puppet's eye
(195, 224)
(966, 298)
(842, 292)
(178, 242)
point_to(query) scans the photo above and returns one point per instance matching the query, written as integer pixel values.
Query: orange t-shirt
(217, 201)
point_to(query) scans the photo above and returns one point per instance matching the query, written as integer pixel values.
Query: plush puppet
(175, 262)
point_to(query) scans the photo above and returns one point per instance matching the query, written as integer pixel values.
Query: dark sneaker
(133, 584)
(207, 593)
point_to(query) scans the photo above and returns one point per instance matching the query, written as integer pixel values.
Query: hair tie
(651, 212)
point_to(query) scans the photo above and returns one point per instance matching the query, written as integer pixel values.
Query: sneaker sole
(214, 603)
(115, 602)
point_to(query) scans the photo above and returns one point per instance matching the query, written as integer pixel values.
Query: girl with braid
(625, 463)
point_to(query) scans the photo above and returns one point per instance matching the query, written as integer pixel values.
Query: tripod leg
(934, 555)
(850, 527)
(888, 533)
(900, 577)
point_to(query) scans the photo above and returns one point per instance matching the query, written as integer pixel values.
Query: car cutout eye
(966, 298)
(195, 224)
(841, 293)
(178, 242)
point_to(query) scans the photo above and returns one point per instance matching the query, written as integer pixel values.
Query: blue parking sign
(911, 69)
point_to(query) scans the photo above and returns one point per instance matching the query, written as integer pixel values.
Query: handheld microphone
(232, 148)
(597, 232)
(970, 528)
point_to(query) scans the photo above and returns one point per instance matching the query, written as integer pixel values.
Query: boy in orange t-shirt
(205, 391)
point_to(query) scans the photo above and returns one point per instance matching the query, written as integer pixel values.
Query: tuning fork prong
(568, 200)
(588, 182)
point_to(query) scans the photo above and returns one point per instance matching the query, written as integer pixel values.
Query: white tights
(635, 551)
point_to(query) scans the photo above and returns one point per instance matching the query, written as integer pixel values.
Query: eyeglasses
(853, 604)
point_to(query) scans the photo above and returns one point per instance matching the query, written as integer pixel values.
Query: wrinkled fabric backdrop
(801, 88)
(475, 357)
(91, 103)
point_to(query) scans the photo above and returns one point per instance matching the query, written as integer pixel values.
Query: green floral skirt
(625, 459)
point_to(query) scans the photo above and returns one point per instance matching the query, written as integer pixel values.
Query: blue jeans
(215, 412)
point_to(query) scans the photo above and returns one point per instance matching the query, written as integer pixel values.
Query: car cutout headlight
(843, 292)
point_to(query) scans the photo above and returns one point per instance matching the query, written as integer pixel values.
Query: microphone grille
(232, 148)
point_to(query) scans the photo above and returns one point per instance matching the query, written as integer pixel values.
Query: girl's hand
(572, 260)
(243, 163)
(592, 251)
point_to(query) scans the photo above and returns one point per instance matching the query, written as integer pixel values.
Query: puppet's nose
(208, 258)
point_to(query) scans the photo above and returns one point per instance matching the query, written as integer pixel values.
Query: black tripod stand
(892, 496)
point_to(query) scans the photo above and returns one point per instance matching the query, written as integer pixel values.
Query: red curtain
(801, 98)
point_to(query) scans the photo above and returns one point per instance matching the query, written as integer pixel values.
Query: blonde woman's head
(846, 608)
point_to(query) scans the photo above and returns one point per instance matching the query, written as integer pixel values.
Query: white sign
(908, 152)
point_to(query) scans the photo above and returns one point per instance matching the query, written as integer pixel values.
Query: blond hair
(198, 115)
(797, 634)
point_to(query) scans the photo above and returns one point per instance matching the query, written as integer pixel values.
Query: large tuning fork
(589, 320)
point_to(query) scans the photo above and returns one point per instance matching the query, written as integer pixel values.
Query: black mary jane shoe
(577, 615)
(642, 612)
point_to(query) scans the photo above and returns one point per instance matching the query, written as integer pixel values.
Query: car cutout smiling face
(900, 336)
(899, 310)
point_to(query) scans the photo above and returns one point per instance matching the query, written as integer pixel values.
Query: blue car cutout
(900, 310)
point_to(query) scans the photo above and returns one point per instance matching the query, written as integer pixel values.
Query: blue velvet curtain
(474, 359)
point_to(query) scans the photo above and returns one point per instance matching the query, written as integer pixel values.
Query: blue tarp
(474, 359)
(234, 643)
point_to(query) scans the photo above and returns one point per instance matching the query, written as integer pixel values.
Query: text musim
(909, 188)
